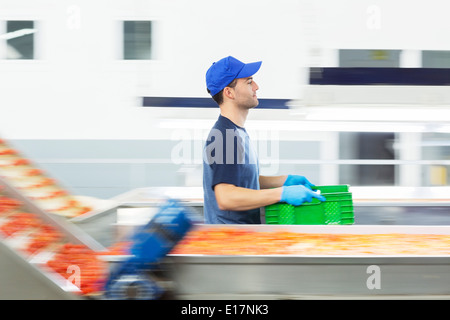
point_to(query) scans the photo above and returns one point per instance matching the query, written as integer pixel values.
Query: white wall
(78, 88)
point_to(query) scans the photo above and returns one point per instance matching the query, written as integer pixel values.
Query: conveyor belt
(25, 276)
(292, 277)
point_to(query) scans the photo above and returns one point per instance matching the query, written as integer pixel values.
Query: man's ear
(228, 92)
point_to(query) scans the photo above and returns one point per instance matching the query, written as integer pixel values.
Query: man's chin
(251, 105)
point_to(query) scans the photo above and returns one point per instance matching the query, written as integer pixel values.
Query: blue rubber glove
(293, 180)
(296, 195)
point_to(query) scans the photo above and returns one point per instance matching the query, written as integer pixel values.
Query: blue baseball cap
(222, 72)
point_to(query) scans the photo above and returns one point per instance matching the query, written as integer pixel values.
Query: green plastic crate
(332, 189)
(337, 209)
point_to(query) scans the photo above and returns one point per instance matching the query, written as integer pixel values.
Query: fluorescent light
(443, 129)
(388, 114)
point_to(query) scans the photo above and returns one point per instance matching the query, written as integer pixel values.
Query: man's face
(245, 93)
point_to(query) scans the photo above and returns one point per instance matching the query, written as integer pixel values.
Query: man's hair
(218, 97)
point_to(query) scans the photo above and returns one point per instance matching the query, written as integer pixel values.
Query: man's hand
(298, 194)
(293, 180)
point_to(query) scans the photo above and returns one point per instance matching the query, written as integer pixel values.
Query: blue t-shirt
(228, 157)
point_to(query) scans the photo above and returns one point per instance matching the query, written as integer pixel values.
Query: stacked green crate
(337, 209)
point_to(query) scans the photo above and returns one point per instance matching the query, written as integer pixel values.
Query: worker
(234, 191)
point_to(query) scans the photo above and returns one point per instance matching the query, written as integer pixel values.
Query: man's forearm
(230, 197)
(267, 182)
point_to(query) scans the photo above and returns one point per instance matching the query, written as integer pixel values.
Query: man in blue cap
(234, 191)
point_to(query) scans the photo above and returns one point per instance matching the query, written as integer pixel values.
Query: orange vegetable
(236, 241)
(93, 271)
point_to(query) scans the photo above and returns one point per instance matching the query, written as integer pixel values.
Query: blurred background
(109, 96)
